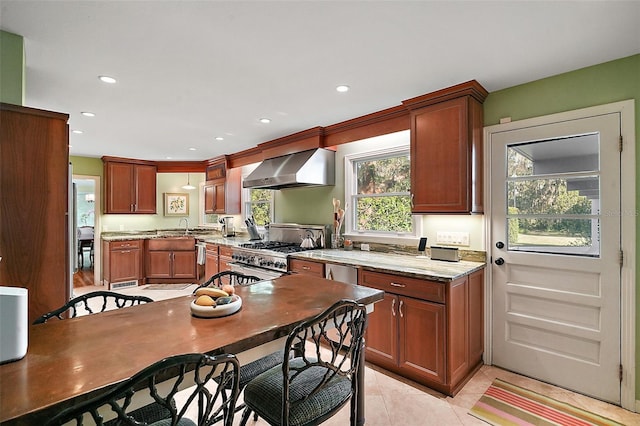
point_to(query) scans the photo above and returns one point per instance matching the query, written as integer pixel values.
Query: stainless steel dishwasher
(344, 273)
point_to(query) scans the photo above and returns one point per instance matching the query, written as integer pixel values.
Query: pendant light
(188, 185)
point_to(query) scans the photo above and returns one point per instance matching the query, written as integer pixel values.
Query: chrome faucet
(186, 225)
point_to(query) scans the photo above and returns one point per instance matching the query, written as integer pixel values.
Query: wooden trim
(470, 88)
(379, 123)
(297, 142)
(33, 111)
(243, 158)
(128, 160)
(181, 166)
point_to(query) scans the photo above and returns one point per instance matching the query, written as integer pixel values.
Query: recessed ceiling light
(169, 158)
(88, 114)
(192, 149)
(219, 138)
(342, 88)
(265, 120)
(77, 132)
(107, 79)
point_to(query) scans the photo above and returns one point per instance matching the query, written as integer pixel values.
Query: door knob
(500, 244)
(499, 261)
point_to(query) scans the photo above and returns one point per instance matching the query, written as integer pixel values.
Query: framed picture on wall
(176, 204)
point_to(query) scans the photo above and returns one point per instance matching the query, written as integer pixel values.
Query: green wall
(86, 166)
(12, 75)
(599, 84)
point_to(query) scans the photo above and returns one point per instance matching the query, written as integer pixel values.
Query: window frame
(245, 199)
(350, 191)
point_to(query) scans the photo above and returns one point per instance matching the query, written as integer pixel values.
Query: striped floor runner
(504, 404)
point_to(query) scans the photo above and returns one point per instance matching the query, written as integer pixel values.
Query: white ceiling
(189, 71)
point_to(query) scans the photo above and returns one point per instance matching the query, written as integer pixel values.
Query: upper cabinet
(446, 150)
(222, 188)
(130, 186)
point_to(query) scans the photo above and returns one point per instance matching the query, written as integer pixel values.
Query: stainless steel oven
(268, 259)
(261, 273)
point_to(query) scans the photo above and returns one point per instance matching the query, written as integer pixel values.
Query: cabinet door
(159, 264)
(209, 199)
(219, 197)
(422, 339)
(184, 264)
(119, 191)
(211, 265)
(381, 340)
(145, 189)
(125, 265)
(441, 158)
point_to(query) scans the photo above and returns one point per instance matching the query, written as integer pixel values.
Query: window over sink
(377, 187)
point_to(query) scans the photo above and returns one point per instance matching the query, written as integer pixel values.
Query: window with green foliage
(379, 191)
(259, 203)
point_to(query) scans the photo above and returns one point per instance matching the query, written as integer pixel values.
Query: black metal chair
(247, 371)
(156, 386)
(311, 387)
(228, 277)
(106, 299)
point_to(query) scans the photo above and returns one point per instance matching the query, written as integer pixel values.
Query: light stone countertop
(413, 266)
(408, 265)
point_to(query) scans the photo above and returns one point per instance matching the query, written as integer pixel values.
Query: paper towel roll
(14, 326)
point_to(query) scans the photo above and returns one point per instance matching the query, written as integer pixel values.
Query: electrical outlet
(452, 238)
(364, 247)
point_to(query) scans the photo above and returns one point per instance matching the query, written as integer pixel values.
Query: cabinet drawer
(226, 251)
(306, 267)
(172, 244)
(406, 286)
(211, 248)
(125, 245)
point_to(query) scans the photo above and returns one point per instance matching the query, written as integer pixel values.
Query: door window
(553, 196)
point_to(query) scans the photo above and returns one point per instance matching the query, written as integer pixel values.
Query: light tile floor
(395, 401)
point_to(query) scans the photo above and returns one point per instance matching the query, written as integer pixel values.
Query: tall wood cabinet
(428, 331)
(130, 186)
(446, 150)
(34, 200)
(222, 188)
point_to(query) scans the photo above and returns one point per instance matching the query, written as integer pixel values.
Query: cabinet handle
(126, 251)
(400, 309)
(412, 200)
(393, 307)
(398, 285)
(306, 268)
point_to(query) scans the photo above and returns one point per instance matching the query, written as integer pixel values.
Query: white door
(555, 250)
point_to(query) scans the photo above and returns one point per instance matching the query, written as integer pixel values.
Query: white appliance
(343, 273)
(15, 323)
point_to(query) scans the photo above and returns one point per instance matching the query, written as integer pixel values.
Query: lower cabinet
(122, 261)
(430, 332)
(171, 260)
(298, 266)
(211, 266)
(225, 258)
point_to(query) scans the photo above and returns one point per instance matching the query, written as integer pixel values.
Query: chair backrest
(229, 277)
(94, 302)
(334, 341)
(156, 386)
(85, 232)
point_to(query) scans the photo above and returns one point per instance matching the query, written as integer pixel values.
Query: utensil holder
(336, 241)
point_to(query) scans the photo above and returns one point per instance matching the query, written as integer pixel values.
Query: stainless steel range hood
(315, 167)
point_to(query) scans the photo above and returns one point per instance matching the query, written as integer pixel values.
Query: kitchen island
(71, 360)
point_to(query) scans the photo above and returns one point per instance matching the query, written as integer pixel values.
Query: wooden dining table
(75, 359)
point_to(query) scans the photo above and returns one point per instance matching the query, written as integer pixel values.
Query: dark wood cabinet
(306, 267)
(170, 260)
(428, 331)
(34, 200)
(130, 187)
(222, 195)
(446, 150)
(122, 261)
